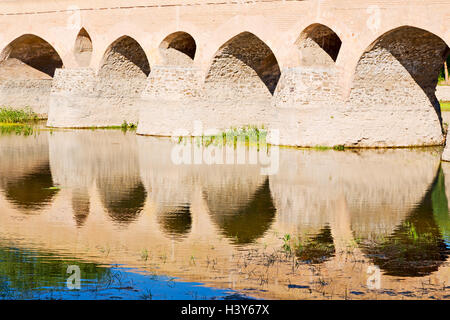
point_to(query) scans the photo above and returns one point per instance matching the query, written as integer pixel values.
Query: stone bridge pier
(330, 72)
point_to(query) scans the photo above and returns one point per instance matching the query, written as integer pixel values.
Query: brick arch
(103, 41)
(394, 82)
(261, 27)
(318, 45)
(351, 53)
(290, 39)
(405, 57)
(245, 65)
(125, 57)
(30, 56)
(178, 48)
(83, 48)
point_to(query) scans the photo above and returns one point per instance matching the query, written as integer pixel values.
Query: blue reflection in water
(35, 275)
(127, 284)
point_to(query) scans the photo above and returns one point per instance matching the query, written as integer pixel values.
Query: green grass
(10, 115)
(445, 105)
(324, 148)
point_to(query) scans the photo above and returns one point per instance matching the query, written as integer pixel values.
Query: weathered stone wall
(392, 101)
(170, 101)
(32, 93)
(80, 98)
(176, 97)
(26, 69)
(393, 93)
(307, 97)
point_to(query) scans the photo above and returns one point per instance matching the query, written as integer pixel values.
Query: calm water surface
(362, 224)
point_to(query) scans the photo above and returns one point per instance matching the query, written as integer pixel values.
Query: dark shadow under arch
(243, 58)
(80, 205)
(32, 51)
(83, 48)
(404, 64)
(33, 191)
(125, 57)
(177, 223)
(250, 220)
(318, 45)
(416, 247)
(178, 48)
(125, 202)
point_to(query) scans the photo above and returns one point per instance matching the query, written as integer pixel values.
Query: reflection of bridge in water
(124, 195)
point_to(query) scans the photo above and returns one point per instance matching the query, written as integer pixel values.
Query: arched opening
(27, 67)
(178, 49)
(83, 48)
(29, 57)
(399, 72)
(125, 58)
(80, 205)
(244, 67)
(121, 80)
(318, 45)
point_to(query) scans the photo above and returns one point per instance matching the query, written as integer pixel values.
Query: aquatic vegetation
(17, 121)
(128, 126)
(11, 115)
(17, 129)
(324, 148)
(144, 255)
(339, 148)
(26, 274)
(416, 247)
(321, 148)
(287, 244)
(250, 135)
(316, 249)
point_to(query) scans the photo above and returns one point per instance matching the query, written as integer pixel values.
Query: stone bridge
(322, 72)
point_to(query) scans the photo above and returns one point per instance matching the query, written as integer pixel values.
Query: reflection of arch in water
(21, 156)
(242, 222)
(440, 206)
(80, 206)
(33, 191)
(317, 248)
(415, 248)
(176, 223)
(122, 200)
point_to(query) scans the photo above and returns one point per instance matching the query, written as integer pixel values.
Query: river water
(150, 218)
